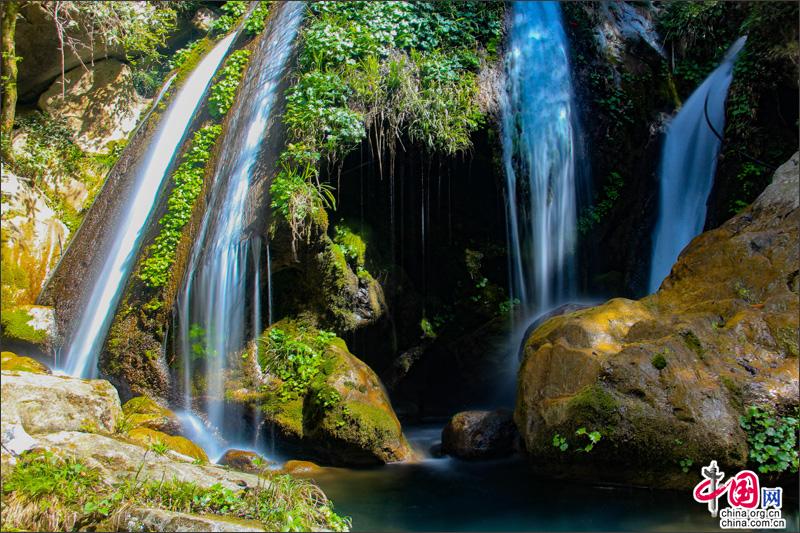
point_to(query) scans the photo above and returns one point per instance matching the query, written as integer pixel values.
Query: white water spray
(688, 164)
(92, 326)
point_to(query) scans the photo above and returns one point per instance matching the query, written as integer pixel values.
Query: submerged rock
(44, 403)
(664, 380)
(479, 434)
(244, 461)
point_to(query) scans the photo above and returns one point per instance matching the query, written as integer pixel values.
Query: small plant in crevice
(772, 438)
(603, 205)
(685, 464)
(659, 361)
(560, 442)
(593, 436)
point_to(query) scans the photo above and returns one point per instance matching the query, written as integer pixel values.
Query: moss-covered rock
(145, 412)
(665, 379)
(152, 438)
(28, 325)
(332, 404)
(18, 363)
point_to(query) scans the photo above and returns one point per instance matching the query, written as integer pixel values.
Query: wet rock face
(479, 434)
(665, 378)
(99, 103)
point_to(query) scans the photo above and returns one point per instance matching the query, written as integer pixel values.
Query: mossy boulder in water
(18, 363)
(145, 412)
(324, 399)
(664, 380)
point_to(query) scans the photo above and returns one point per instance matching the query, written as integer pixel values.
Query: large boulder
(43, 403)
(342, 416)
(664, 380)
(157, 440)
(99, 103)
(479, 434)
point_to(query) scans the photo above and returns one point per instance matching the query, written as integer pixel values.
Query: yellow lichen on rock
(152, 438)
(18, 363)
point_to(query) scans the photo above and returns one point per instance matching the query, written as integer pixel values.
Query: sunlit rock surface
(665, 378)
(99, 103)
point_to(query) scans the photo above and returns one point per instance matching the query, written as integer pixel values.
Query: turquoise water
(502, 495)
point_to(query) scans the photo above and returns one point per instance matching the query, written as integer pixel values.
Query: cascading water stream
(212, 318)
(92, 326)
(688, 164)
(539, 138)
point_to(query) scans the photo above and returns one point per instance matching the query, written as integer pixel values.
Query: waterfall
(212, 320)
(539, 135)
(688, 164)
(127, 231)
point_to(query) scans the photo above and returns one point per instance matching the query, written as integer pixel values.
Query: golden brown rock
(665, 379)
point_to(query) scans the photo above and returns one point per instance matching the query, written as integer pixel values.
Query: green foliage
(297, 194)
(353, 248)
(596, 212)
(427, 328)
(297, 357)
(159, 447)
(593, 436)
(389, 66)
(685, 464)
(188, 179)
(223, 91)
(46, 493)
(560, 442)
(257, 20)
(659, 361)
(232, 11)
(772, 439)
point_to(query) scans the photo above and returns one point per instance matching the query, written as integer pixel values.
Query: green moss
(363, 424)
(787, 339)
(693, 343)
(16, 327)
(595, 405)
(351, 244)
(659, 361)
